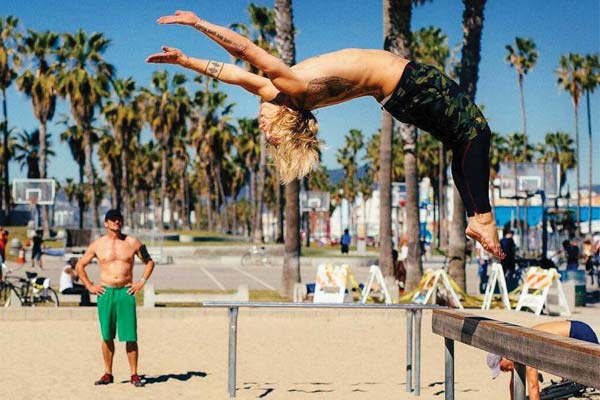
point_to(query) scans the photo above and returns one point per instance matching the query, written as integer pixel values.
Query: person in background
(3, 243)
(483, 260)
(399, 271)
(345, 241)
(36, 249)
(68, 277)
(571, 251)
(509, 262)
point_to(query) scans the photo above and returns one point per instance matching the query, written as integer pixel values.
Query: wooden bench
(151, 298)
(572, 359)
(74, 298)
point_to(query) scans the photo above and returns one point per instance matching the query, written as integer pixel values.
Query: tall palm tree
(166, 109)
(262, 33)
(85, 81)
(286, 47)
(430, 46)
(523, 58)
(571, 74)
(519, 151)
(9, 61)
(591, 80)
(247, 145)
(123, 114)
(109, 156)
(498, 154)
(469, 74)
(397, 16)
(73, 135)
(348, 158)
(40, 84)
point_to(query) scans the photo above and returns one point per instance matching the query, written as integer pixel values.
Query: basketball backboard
(34, 191)
(522, 180)
(314, 201)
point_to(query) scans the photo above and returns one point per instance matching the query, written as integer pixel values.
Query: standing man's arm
(89, 255)
(143, 254)
(282, 76)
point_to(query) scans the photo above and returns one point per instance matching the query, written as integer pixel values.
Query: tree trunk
(44, 174)
(219, 182)
(125, 187)
(209, 209)
(6, 186)
(471, 55)
(80, 196)
(442, 214)
(591, 162)
(385, 195)
(280, 213)
(257, 236)
(577, 171)
(522, 98)
(89, 173)
(163, 186)
(284, 25)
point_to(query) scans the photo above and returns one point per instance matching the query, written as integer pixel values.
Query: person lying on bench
(68, 277)
(571, 329)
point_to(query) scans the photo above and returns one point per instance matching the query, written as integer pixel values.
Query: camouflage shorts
(431, 101)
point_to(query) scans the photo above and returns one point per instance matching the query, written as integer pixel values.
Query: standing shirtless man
(413, 93)
(115, 254)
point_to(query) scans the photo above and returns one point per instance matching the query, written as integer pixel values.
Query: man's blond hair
(293, 143)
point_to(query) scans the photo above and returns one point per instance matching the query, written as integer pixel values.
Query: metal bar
(409, 350)
(228, 304)
(449, 364)
(519, 382)
(418, 315)
(233, 314)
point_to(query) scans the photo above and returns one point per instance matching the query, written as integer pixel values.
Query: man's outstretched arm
(241, 47)
(227, 73)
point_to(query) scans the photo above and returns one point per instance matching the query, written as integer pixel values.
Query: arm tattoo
(235, 48)
(330, 89)
(213, 68)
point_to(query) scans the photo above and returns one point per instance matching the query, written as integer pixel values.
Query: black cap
(113, 214)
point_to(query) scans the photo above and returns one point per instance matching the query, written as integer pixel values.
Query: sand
(282, 354)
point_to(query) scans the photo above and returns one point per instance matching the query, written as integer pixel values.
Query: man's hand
(135, 287)
(180, 17)
(95, 289)
(170, 55)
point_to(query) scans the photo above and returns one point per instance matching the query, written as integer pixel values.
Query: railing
(568, 358)
(413, 313)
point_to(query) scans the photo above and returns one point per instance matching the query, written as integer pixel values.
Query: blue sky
(557, 26)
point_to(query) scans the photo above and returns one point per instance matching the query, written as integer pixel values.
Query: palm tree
(85, 82)
(9, 61)
(591, 80)
(469, 74)
(558, 148)
(397, 16)
(498, 154)
(73, 135)
(41, 86)
(247, 145)
(430, 46)
(519, 151)
(166, 109)
(286, 47)
(262, 20)
(571, 79)
(28, 150)
(109, 156)
(523, 58)
(347, 157)
(123, 114)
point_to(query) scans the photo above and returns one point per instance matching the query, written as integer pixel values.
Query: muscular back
(115, 259)
(346, 74)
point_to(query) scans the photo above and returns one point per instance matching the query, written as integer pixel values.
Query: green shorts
(116, 312)
(431, 101)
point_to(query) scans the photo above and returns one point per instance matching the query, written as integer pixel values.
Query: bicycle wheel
(266, 261)
(11, 297)
(247, 259)
(51, 298)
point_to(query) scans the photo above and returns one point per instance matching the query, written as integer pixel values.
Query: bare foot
(482, 227)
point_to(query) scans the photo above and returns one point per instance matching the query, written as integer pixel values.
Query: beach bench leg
(449, 385)
(409, 350)
(233, 314)
(418, 315)
(519, 382)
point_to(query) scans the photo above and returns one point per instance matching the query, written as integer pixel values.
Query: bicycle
(30, 291)
(256, 256)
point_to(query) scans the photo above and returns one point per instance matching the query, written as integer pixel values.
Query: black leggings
(471, 172)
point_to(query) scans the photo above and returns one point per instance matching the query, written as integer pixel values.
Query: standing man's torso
(115, 259)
